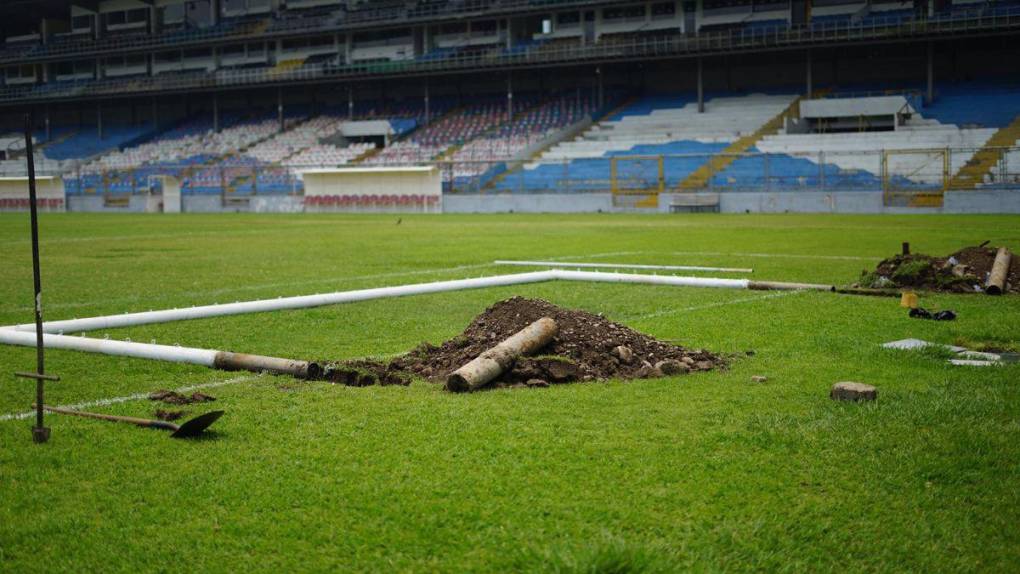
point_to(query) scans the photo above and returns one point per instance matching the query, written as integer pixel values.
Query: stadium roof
(16, 14)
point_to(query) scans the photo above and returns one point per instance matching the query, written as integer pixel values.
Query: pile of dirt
(175, 398)
(587, 347)
(168, 415)
(962, 272)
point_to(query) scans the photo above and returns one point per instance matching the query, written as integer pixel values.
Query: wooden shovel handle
(131, 420)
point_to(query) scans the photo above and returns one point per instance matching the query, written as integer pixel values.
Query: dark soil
(962, 272)
(585, 349)
(175, 398)
(168, 415)
(364, 373)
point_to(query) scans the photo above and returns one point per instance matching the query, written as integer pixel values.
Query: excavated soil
(168, 415)
(175, 398)
(961, 272)
(587, 347)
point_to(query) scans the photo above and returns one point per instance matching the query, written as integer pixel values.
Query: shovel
(190, 428)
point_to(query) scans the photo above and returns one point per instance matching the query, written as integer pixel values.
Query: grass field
(704, 472)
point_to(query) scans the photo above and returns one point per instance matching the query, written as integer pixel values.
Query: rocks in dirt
(671, 367)
(963, 271)
(175, 398)
(759, 379)
(541, 383)
(587, 347)
(623, 353)
(646, 371)
(851, 391)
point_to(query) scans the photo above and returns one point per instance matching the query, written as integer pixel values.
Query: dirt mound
(962, 272)
(587, 347)
(175, 398)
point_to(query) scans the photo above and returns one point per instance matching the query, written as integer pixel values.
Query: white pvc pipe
(306, 301)
(560, 264)
(673, 280)
(154, 352)
(24, 335)
(283, 303)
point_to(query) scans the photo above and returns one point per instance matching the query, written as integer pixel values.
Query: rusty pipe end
(227, 361)
(314, 372)
(457, 383)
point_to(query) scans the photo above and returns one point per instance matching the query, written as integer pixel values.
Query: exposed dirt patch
(588, 347)
(961, 272)
(168, 415)
(364, 373)
(175, 398)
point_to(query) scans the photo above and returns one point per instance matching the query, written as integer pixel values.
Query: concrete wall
(205, 204)
(49, 194)
(785, 202)
(981, 202)
(277, 204)
(96, 203)
(751, 202)
(529, 203)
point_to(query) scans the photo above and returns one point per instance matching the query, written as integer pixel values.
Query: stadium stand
(651, 126)
(456, 128)
(176, 152)
(523, 131)
(367, 69)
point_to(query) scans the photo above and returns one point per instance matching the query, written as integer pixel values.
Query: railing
(891, 171)
(244, 29)
(619, 49)
(894, 172)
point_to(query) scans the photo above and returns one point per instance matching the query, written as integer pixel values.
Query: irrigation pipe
(280, 304)
(24, 335)
(557, 264)
(308, 301)
(213, 359)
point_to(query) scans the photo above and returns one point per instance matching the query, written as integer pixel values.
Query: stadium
(510, 285)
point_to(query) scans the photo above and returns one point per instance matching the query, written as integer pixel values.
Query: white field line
(170, 235)
(592, 255)
(586, 265)
(773, 295)
(779, 255)
(134, 397)
(255, 287)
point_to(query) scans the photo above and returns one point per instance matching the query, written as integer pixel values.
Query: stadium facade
(524, 105)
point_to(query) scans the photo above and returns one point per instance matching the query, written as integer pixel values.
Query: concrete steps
(699, 178)
(973, 173)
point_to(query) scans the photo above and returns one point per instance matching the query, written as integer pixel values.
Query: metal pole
(929, 96)
(428, 109)
(701, 88)
(808, 75)
(216, 113)
(509, 99)
(279, 106)
(40, 433)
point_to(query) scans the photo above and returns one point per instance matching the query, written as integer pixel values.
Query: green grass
(699, 472)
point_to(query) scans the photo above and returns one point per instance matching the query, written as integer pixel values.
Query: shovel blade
(197, 425)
